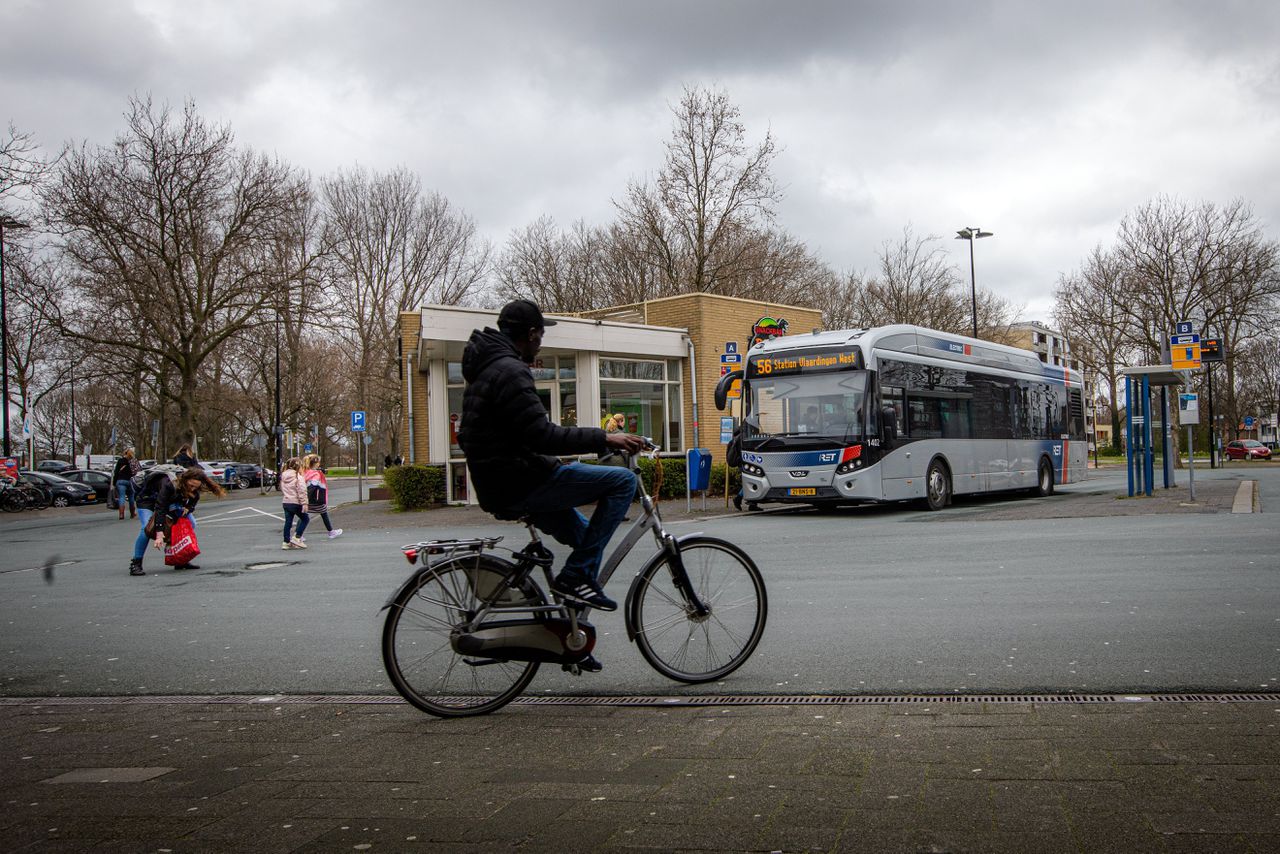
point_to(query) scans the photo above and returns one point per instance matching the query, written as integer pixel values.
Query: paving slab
(848, 778)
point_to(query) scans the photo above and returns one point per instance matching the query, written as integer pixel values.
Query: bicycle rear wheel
(416, 650)
(677, 642)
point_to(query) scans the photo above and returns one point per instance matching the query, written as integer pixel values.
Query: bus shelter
(1139, 450)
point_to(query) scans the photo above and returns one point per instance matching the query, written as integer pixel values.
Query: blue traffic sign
(357, 421)
(1248, 422)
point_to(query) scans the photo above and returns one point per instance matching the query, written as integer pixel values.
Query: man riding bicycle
(508, 437)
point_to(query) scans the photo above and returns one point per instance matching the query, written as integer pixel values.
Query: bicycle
(466, 633)
(23, 496)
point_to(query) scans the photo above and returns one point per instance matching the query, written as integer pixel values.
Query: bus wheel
(1044, 480)
(938, 486)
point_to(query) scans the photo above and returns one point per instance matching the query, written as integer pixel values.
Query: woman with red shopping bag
(174, 519)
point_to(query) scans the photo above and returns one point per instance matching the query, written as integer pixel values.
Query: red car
(1247, 449)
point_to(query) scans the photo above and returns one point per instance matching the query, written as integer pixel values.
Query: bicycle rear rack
(447, 548)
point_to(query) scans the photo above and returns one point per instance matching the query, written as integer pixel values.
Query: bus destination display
(800, 363)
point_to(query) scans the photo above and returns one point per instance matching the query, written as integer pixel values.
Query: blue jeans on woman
(553, 509)
(124, 494)
(140, 544)
(291, 511)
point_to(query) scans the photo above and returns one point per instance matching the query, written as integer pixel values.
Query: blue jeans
(124, 493)
(553, 509)
(290, 512)
(140, 544)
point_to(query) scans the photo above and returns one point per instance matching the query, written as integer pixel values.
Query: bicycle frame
(535, 554)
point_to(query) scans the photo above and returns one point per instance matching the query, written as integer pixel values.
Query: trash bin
(699, 469)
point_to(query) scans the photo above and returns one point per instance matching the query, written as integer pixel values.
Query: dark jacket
(506, 433)
(121, 471)
(185, 460)
(150, 490)
(170, 502)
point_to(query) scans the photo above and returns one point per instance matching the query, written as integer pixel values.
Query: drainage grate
(659, 701)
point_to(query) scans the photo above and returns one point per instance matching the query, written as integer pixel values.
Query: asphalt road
(875, 601)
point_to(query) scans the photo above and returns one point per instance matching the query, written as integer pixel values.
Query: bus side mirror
(888, 424)
(722, 387)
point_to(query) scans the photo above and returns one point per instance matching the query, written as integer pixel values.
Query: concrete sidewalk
(1164, 774)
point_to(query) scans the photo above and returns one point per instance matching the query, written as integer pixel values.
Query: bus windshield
(815, 406)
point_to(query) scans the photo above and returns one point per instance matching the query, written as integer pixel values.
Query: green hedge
(414, 487)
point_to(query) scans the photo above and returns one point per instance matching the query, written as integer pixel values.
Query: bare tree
(713, 189)
(561, 271)
(1091, 313)
(166, 233)
(393, 248)
(20, 165)
(1205, 263)
(915, 284)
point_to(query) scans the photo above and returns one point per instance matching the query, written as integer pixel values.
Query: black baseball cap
(522, 314)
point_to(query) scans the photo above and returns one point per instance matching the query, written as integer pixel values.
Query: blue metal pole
(1130, 459)
(1149, 470)
(1167, 435)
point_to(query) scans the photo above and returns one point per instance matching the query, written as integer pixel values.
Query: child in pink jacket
(293, 489)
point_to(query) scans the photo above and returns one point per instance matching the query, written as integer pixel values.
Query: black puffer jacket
(506, 432)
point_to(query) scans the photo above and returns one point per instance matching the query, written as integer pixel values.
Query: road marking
(42, 566)
(201, 520)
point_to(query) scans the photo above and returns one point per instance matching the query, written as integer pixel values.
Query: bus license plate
(807, 490)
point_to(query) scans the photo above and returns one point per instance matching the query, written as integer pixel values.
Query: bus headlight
(751, 469)
(846, 467)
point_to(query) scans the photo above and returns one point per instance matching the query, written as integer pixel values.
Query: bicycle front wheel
(416, 649)
(677, 642)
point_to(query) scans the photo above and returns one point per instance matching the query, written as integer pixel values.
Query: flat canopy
(1156, 375)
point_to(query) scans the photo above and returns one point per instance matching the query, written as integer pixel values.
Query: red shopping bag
(182, 548)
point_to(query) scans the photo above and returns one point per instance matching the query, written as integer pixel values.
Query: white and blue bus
(900, 413)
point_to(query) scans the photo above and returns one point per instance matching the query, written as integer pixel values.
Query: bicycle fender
(411, 579)
(627, 609)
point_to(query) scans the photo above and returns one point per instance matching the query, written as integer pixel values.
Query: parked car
(54, 466)
(1247, 449)
(216, 471)
(98, 481)
(62, 492)
(250, 474)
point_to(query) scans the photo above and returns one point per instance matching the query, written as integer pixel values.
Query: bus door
(896, 463)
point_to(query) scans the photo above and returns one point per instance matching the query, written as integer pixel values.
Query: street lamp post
(12, 224)
(276, 428)
(972, 233)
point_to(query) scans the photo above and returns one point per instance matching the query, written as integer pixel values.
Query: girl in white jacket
(293, 488)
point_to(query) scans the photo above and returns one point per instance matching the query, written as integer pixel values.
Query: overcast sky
(1042, 122)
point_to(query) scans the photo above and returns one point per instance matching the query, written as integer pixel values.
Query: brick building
(656, 362)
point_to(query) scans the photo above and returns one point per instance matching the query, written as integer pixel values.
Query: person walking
(318, 493)
(178, 498)
(122, 482)
(293, 492)
(185, 457)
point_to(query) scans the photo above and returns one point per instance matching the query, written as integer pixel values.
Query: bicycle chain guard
(552, 640)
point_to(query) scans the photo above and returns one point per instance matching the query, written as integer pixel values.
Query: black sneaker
(584, 591)
(135, 567)
(590, 664)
